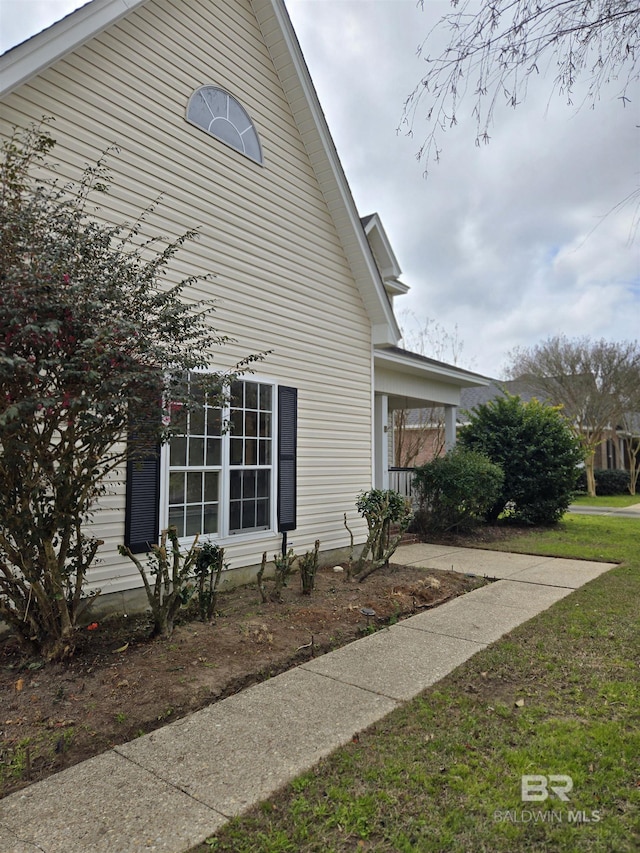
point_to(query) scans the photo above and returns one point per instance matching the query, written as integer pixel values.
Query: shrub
(208, 571)
(309, 569)
(456, 491)
(534, 446)
(387, 515)
(608, 482)
(172, 572)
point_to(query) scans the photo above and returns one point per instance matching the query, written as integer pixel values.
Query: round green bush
(535, 447)
(455, 491)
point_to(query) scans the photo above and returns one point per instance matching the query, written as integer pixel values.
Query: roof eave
(416, 365)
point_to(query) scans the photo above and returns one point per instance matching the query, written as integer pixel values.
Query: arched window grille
(220, 114)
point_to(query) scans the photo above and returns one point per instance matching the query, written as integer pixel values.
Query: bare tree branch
(496, 46)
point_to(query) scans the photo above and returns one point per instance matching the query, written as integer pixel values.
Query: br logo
(536, 788)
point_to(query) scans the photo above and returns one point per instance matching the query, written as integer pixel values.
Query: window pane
(178, 452)
(236, 394)
(251, 395)
(251, 145)
(236, 451)
(176, 519)
(236, 422)
(251, 451)
(238, 116)
(210, 518)
(211, 486)
(216, 101)
(194, 494)
(265, 452)
(176, 488)
(264, 480)
(262, 513)
(225, 131)
(265, 424)
(214, 422)
(265, 398)
(199, 113)
(196, 421)
(194, 520)
(234, 515)
(248, 514)
(235, 483)
(194, 487)
(196, 452)
(251, 424)
(249, 484)
(213, 451)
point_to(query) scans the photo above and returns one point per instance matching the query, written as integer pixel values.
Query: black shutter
(142, 511)
(287, 455)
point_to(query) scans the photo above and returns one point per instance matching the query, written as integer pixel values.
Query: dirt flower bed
(120, 684)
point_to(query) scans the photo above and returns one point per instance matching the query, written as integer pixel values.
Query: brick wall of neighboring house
(431, 447)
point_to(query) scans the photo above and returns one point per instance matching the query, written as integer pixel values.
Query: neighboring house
(611, 453)
(211, 106)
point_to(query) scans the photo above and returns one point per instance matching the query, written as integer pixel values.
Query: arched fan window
(218, 113)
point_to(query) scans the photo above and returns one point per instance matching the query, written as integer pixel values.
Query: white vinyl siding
(282, 281)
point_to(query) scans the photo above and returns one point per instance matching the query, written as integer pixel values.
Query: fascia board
(21, 63)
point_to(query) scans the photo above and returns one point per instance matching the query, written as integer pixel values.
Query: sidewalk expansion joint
(545, 585)
(398, 702)
(171, 784)
(478, 643)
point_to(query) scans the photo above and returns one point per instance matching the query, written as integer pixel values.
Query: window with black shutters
(227, 473)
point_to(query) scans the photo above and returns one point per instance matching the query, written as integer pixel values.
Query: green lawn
(443, 773)
(607, 500)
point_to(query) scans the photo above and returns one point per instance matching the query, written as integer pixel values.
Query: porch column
(450, 426)
(380, 441)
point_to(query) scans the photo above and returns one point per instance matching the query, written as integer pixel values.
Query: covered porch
(406, 380)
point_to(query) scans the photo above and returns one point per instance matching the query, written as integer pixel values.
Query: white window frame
(224, 536)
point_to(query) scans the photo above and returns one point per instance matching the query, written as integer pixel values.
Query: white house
(211, 106)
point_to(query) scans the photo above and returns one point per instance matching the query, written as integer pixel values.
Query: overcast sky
(511, 242)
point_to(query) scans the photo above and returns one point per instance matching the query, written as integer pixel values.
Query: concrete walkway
(632, 511)
(173, 788)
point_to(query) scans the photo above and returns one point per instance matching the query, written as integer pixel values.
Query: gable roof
(26, 60)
